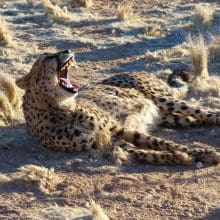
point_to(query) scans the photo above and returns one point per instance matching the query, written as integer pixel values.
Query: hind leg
(146, 141)
(156, 157)
(170, 120)
(171, 105)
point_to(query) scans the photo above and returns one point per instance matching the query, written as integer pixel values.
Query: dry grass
(46, 179)
(199, 56)
(30, 2)
(202, 17)
(125, 11)
(5, 36)
(152, 57)
(153, 30)
(9, 88)
(9, 99)
(81, 3)
(97, 212)
(4, 179)
(56, 13)
(55, 212)
(210, 86)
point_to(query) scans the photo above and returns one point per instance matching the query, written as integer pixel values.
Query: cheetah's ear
(23, 82)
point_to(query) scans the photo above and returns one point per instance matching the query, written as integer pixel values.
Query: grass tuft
(97, 212)
(56, 13)
(202, 17)
(199, 56)
(9, 99)
(46, 179)
(125, 11)
(5, 36)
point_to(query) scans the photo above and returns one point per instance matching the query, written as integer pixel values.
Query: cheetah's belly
(134, 113)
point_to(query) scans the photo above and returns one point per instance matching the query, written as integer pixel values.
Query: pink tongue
(66, 81)
(77, 86)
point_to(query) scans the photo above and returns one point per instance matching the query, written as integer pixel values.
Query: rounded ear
(23, 82)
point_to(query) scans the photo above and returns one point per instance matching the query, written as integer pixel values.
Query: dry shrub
(125, 11)
(46, 179)
(81, 3)
(9, 99)
(9, 88)
(97, 212)
(199, 56)
(56, 13)
(202, 17)
(5, 36)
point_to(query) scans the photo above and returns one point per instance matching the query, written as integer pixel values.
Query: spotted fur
(123, 107)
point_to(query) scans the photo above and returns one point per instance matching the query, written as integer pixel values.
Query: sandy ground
(104, 46)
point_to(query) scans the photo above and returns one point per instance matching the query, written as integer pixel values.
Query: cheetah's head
(49, 76)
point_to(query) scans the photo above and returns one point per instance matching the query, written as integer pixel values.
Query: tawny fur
(118, 108)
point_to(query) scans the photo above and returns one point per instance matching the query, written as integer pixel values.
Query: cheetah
(66, 117)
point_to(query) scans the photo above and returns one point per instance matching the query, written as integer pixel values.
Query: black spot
(83, 141)
(170, 104)
(120, 132)
(197, 111)
(162, 100)
(184, 107)
(137, 135)
(59, 137)
(77, 132)
(171, 109)
(187, 120)
(155, 143)
(162, 157)
(94, 146)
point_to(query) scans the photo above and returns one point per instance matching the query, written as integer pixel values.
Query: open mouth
(62, 75)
